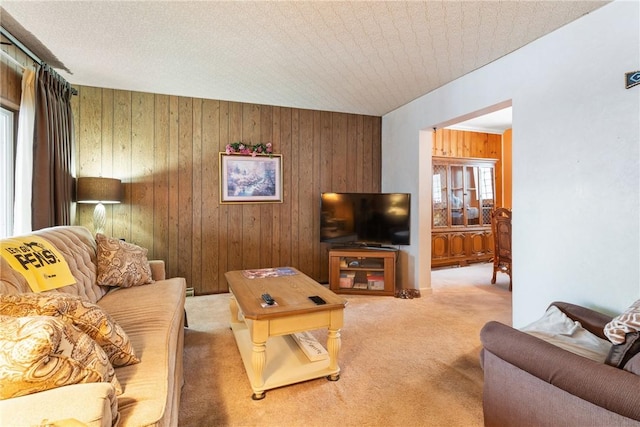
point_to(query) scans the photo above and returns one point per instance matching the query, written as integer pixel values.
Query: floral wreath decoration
(248, 149)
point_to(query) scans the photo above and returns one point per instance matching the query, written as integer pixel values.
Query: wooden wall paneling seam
(306, 193)
(161, 171)
(317, 172)
(106, 148)
(294, 184)
(142, 134)
(276, 211)
(285, 218)
(235, 219)
(197, 198)
(376, 150)
(210, 196)
(223, 228)
(250, 227)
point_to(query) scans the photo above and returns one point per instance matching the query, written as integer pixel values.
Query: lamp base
(99, 218)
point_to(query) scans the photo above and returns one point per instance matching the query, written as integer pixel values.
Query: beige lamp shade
(99, 191)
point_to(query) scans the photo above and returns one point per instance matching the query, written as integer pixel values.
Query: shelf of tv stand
(375, 267)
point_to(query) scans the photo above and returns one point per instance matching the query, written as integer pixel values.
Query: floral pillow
(39, 353)
(121, 264)
(86, 316)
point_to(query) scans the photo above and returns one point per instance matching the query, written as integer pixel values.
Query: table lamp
(99, 191)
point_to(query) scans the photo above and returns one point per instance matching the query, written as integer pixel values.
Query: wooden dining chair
(501, 229)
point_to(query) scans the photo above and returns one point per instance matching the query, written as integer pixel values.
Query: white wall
(576, 162)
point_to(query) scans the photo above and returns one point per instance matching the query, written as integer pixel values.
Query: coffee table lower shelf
(286, 363)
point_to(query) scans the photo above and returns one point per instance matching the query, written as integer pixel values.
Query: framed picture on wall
(250, 179)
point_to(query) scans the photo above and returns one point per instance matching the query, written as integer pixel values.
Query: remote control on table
(267, 298)
(318, 300)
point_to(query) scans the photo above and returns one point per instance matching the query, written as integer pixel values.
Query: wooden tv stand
(363, 271)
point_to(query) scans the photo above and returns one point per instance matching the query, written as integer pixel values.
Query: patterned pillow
(121, 264)
(629, 321)
(39, 353)
(86, 316)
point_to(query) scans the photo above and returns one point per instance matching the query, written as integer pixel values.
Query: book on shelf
(375, 282)
(346, 280)
(360, 285)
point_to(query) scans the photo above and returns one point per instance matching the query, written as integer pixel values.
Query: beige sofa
(152, 316)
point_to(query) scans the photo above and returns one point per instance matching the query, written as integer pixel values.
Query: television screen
(365, 218)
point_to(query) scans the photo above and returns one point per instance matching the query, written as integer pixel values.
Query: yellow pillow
(121, 264)
(88, 317)
(39, 353)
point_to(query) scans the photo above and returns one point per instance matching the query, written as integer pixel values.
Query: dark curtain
(52, 151)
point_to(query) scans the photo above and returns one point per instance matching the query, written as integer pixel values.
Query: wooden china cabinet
(463, 198)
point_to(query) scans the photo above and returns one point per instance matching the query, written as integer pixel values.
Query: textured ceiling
(356, 57)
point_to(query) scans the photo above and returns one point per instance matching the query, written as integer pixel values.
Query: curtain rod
(30, 54)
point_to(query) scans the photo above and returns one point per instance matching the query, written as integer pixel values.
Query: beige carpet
(404, 362)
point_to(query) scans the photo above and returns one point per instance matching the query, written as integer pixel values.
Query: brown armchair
(501, 229)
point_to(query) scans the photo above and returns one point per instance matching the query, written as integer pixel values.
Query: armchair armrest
(603, 385)
(158, 271)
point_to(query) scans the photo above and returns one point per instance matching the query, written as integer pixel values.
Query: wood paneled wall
(457, 143)
(165, 150)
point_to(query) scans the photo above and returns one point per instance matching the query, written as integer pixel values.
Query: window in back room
(6, 172)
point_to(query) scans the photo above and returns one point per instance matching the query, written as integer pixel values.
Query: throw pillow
(621, 353)
(121, 264)
(629, 321)
(86, 316)
(633, 365)
(558, 329)
(39, 353)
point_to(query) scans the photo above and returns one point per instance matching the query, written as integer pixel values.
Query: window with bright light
(6, 172)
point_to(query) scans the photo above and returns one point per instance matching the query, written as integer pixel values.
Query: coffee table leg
(259, 335)
(333, 347)
(233, 308)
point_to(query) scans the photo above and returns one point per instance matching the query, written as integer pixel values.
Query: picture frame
(250, 179)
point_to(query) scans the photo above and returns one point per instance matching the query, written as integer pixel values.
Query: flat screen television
(365, 219)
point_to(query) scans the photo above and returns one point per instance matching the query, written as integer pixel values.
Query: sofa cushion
(620, 354)
(121, 264)
(629, 321)
(41, 352)
(152, 316)
(88, 317)
(557, 328)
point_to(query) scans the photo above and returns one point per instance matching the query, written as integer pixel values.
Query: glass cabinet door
(471, 194)
(440, 180)
(457, 195)
(486, 189)
(463, 195)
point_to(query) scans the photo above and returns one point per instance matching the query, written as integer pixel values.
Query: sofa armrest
(603, 385)
(94, 404)
(158, 271)
(591, 320)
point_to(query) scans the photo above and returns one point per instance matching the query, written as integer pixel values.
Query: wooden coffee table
(270, 355)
